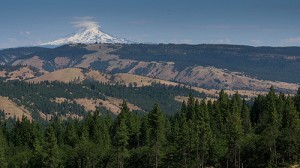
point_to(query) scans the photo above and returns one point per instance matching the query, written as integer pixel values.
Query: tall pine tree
(157, 133)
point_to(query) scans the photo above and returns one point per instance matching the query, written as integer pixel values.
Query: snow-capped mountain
(88, 35)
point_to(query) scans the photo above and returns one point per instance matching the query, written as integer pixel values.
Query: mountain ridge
(207, 66)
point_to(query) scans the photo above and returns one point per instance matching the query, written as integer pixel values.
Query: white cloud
(85, 22)
(292, 40)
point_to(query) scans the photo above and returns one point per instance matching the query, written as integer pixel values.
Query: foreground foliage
(223, 133)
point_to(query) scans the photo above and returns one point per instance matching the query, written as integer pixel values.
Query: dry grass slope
(63, 75)
(12, 110)
(111, 104)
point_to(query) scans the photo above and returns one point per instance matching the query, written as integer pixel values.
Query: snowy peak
(88, 36)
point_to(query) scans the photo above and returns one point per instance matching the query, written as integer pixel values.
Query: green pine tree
(204, 133)
(183, 137)
(297, 100)
(289, 139)
(157, 134)
(52, 159)
(268, 127)
(145, 132)
(235, 132)
(71, 136)
(121, 141)
(245, 115)
(3, 147)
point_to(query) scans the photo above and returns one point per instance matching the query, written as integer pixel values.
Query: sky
(244, 22)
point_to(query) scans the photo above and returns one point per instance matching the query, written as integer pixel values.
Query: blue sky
(246, 22)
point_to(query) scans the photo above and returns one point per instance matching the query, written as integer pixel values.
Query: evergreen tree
(145, 132)
(58, 129)
(268, 128)
(156, 124)
(121, 133)
(190, 109)
(297, 100)
(257, 109)
(93, 122)
(121, 141)
(280, 105)
(105, 124)
(3, 147)
(245, 116)
(217, 124)
(235, 132)
(52, 159)
(84, 137)
(134, 131)
(289, 139)
(71, 136)
(204, 133)
(182, 138)
(223, 107)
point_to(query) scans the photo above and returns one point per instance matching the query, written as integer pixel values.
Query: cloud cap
(85, 22)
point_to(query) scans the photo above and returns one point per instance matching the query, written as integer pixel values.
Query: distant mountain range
(87, 36)
(230, 67)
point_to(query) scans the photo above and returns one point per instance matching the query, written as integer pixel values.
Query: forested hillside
(40, 97)
(223, 133)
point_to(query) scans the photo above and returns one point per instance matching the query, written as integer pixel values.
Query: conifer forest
(226, 132)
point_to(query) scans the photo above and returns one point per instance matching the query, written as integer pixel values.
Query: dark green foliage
(71, 137)
(157, 134)
(234, 133)
(139, 158)
(245, 117)
(3, 148)
(289, 138)
(121, 134)
(201, 134)
(52, 158)
(297, 100)
(26, 133)
(39, 96)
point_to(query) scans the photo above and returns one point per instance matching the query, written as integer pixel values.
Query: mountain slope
(266, 63)
(88, 36)
(206, 66)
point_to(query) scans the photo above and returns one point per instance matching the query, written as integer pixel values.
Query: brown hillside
(12, 110)
(63, 75)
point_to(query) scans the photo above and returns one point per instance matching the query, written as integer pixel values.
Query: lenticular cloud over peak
(85, 23)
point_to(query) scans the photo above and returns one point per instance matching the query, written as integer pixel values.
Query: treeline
(223, 133)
